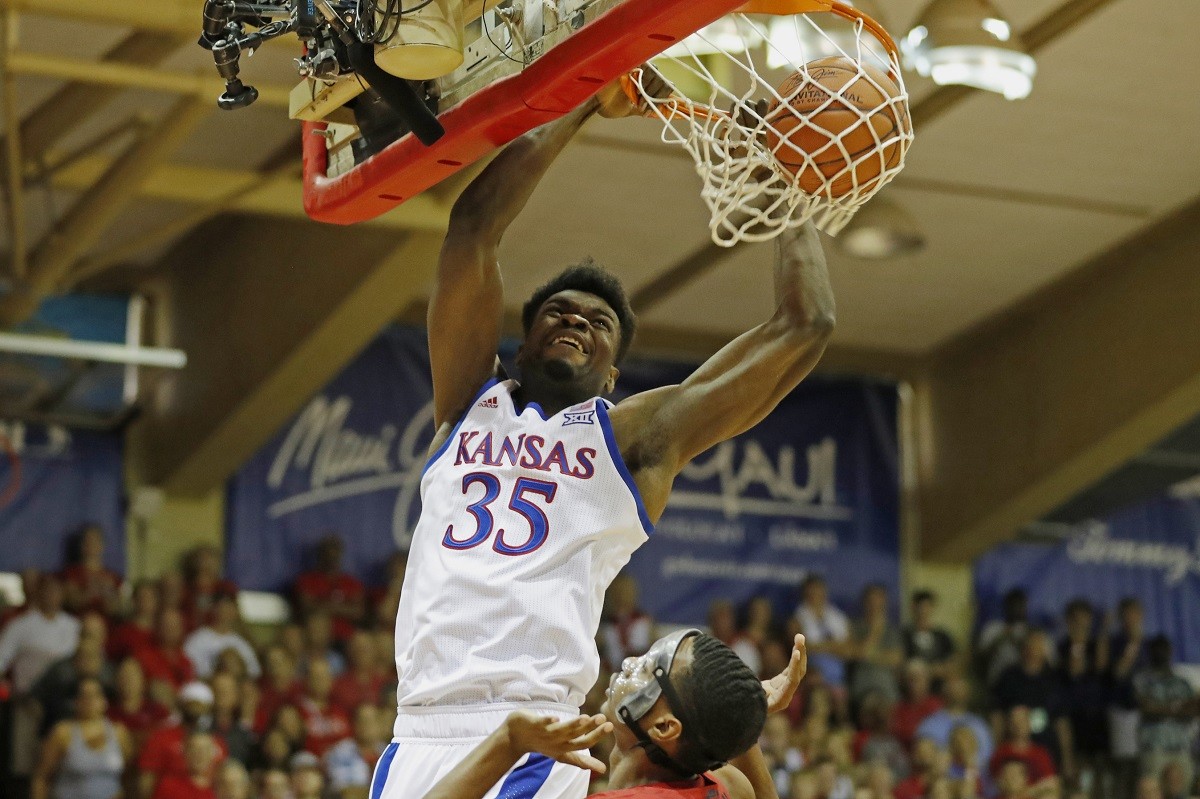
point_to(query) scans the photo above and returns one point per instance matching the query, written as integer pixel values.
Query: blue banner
(53, 481)
(1149, 551)
(814, 487)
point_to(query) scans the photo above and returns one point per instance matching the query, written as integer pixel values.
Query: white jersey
(525, 521)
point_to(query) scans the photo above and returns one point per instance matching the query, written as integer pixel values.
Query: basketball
(834, 100)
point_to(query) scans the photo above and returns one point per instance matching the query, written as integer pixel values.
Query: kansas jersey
(525, 521)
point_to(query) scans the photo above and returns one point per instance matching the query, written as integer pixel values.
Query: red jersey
(912, 787)
(163, 753)
(182, 788)
(323, 728)
(141, 721)
(270, 699)
(168, 665)
(127, 639)
(703, 787)
(908, 716)
(90, 583)
(349, 692)
(1036, 758)
(323, 588)
(198, 602)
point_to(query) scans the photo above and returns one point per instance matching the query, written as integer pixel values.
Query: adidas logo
(490, 402)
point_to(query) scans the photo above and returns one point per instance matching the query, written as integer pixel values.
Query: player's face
(573, 336)
(637, 673)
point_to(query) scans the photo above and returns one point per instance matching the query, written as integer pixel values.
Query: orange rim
(676, 106)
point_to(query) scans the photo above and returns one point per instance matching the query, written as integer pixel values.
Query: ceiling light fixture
(968, 42)
(881, 229)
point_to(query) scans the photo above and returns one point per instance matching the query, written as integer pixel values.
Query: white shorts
(429, 742)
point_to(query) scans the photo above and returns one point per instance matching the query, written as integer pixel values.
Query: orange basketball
(838, 101)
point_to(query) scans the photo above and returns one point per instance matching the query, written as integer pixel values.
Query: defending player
(680, 713)
(538, 491)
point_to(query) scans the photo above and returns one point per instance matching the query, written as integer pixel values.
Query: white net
(788, 118)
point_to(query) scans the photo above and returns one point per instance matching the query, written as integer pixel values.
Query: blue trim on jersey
(446, 444)
(382, 768)
(619, 462)
(527, 779)
(533, 405)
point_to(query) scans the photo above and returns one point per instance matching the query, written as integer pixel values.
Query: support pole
(14, 186)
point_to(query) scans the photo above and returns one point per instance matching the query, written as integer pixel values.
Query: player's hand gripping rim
(623, 98)
(782, 687)
(566, 741)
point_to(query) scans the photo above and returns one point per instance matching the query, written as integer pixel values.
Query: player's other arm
(736, 388)
(467, 306)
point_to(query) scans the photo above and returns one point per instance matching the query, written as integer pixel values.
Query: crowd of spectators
(1094, 709)
(159, 690)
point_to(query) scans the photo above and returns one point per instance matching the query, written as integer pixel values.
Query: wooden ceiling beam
(1022, 413)
(250, 192)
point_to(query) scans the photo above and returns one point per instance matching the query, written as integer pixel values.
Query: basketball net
(723, 80)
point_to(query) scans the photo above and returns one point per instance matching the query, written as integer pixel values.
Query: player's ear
(610, 385)
(666, 729)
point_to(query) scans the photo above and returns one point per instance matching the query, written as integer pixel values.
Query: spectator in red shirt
(87, 584)
(363, 680)
(197, 782)
(137, 630)
(204, 585)
(330, 589)
(917, 703)
(132, 707)
(279, 686)
(166, 666)
(324, 723)
(1019, 745)
(164, 753)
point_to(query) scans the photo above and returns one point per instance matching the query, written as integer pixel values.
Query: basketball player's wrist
(505, 743)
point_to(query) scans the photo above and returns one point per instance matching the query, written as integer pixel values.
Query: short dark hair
(724, 699)
(590, 277)
(923, 595)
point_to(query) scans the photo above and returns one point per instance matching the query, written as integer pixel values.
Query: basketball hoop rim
(675, 107)
(787, 8)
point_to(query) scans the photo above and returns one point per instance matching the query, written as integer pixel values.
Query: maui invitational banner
(53, 481)
(814, 487)
(1149, 551)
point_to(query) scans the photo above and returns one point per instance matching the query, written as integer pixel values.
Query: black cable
(503, 52)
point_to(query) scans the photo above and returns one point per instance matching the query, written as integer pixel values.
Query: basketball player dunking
(538, 491)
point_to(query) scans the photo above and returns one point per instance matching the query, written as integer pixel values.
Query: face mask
(635, 706)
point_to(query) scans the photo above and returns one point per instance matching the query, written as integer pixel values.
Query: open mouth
(570, 342)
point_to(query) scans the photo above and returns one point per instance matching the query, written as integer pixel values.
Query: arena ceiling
(1031, 209)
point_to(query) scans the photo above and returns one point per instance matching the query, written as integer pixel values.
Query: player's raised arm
(467, 306)
(735, 389)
